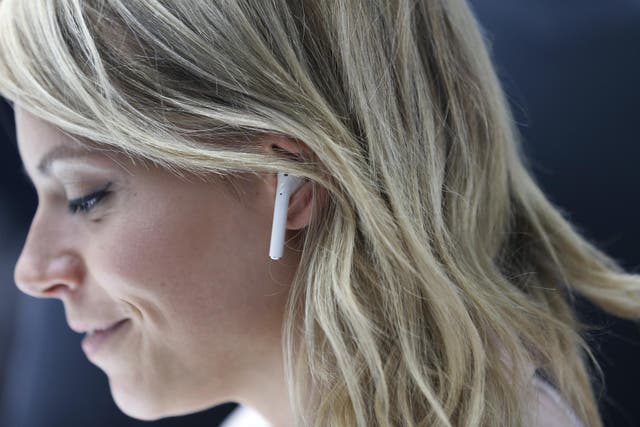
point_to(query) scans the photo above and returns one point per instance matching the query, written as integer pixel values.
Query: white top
(549, 410)
(244, 416)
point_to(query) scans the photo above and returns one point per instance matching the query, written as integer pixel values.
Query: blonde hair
(436, 254)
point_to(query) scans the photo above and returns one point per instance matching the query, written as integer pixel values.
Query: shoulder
(244, 416)
(545, 407)
(549, 409)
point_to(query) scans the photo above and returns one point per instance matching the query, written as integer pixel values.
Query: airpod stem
(287, 184)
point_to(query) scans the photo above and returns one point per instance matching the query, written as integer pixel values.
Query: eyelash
(86, 203)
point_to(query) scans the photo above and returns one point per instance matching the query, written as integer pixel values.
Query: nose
(47, 266)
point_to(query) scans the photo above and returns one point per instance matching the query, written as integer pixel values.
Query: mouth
(98, 338)
(94, 331)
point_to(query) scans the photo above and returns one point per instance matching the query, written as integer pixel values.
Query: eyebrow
(57, 153)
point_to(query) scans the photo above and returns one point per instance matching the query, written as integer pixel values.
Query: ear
(301, 206)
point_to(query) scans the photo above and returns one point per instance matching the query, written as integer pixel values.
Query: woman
(425, 280)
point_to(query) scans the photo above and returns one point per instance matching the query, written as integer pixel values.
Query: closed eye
(86, 203)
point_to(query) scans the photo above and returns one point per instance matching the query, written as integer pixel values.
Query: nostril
(53, 289)
(43, 276)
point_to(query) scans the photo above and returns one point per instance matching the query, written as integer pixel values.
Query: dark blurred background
(572, 73)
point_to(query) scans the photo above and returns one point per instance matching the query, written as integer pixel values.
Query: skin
(185, 261)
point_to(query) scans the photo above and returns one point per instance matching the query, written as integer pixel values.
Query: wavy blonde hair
(436, 255)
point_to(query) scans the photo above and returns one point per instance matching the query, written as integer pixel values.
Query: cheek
(190, 267)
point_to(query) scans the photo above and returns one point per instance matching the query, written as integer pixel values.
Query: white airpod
(287, 184)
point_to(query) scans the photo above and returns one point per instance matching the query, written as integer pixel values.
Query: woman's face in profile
(183, 261)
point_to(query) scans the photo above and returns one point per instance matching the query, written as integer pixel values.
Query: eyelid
(93, 193)
(76, 205)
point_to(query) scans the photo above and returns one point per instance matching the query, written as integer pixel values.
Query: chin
(136, 410)
(143, 406)
(138, 405)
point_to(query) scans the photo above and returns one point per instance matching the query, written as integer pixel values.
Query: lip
(85, 327)
(91, 344)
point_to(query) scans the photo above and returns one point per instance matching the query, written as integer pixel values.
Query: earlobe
(300, 207)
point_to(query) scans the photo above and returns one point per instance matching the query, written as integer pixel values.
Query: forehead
(35, 135)
(40, 143)
(39, 139)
